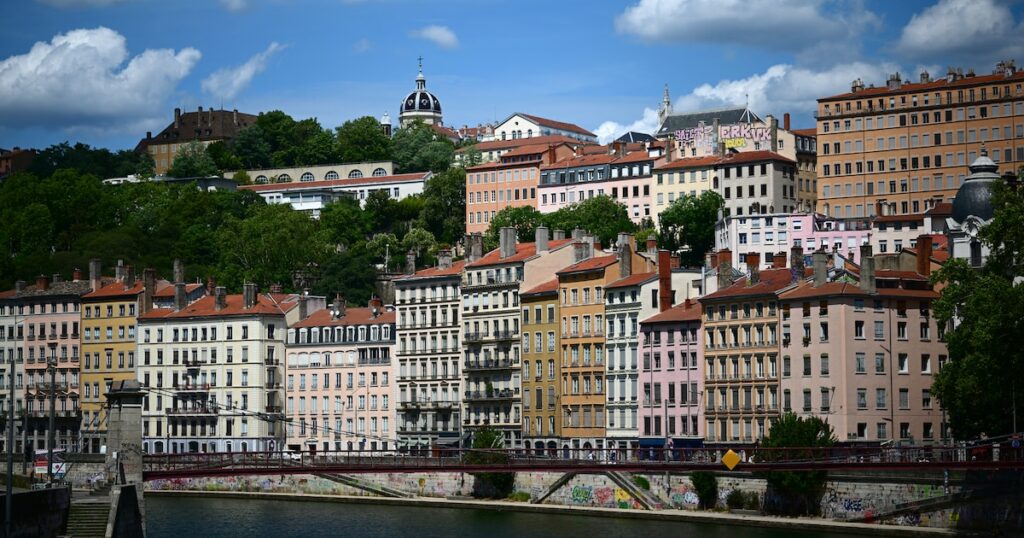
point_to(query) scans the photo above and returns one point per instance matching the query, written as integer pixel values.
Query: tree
(600, 215)
(344, 222)
(350, 272)
(384, 247)
(419, 241)
(251, 147)
(192, 161)
(363, 140)
(982, 384)
(795, 492)
(418, 148)
(444, 205)
(706, 485)
(222, 156)
(525, 219)
(488, 450)
(690, 221)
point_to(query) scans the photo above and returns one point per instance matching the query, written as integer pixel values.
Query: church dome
(974, 198)
(421, 101)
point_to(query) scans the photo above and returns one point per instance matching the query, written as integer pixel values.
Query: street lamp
(51, 365)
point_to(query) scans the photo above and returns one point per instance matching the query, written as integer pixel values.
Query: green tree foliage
(345, 223)
(419, 241)
(418, 148)
(690, 221)
(525, 219)
(444, 205)
(488, 450)
(350, 272)
(362, 140)
(385, 246)
(983, 382)
(706, 485)
(99, 162)
(796, 492)
(252, 148)
(600, 215)
(192, 161)
(222, 156)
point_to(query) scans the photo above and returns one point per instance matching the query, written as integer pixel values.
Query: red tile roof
(580, 160)
(941, 208)
(492, 145)
(117, 289)
(813, 131)
(771, 281)
(753, 156)
(298, 185)
(589, 264)
(266, 304)
(899, 218)
(551, 286)
(353, 316)
(634, 156)
(902, 275)
(807, 290)
(555, 124)
(169, 290)
(685, 311)
(632, 280)
(529, 149)
(689, 162)
(429, 272)
(523, 252)
(939, 84)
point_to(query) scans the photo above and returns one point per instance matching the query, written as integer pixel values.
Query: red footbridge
(748, 459)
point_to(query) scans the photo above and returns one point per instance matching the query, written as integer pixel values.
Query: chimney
(199, 119)
(670, 150)
(652, 244)
(559, 235)
(148, 289)
(625, 255)
(57, 278)
(506, 242)
(303, 304)
(149, 135)
(724, 274)
(179, 271)
(474, 247)
(119, 271)
(712, 259)
(541, 239)
(249, 295)
(664, 280)
(867, 269)
(220, 298)
(129, 277)
(234, 116)
(95, 276)
(444, 258)
(276, 287)
(177, 118)
(677, 261)
(754, 267)
(42, 282)
(796, 263)
(725, 256)
(376, 306)
(785, 121)
(338, 309)
(552, 155)
(924, 255)
(577, 233)
(179, 296)
(19, 286)
(580, 250)
(410, 262)
(779, 260)
(76, 275)
(820, 267)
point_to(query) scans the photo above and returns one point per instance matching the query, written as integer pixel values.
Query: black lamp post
(51, 365)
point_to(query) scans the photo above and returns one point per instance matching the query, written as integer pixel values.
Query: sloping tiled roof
(429, 272)
(299, 185)
(353, 316)
(634, 279)
(633, 136)
(676, 122)
(551, 286)
(753, 156)
(523, 251)
(266, 304)
(117, 289)
(899, 218)
(555, 124)
(685, 311)
(771, 281)
(813, 131)
(590, 264)
(807, 290)
(67, 287)
(205, 125)
(580, 160)
(689, 162)
(939, 84)
(941, 208)
(529, 149)
(493, 145)
(169, 290)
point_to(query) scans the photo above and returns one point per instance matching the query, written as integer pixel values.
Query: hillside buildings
(311, 195)
(204, 126)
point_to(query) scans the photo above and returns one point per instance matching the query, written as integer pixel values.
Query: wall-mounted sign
(734, 135)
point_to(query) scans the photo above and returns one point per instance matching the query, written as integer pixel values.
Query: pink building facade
(672, 377)
(340, 381)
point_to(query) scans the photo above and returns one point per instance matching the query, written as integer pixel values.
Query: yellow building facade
(542, 371)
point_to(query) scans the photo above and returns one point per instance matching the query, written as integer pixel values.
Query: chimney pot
(559, 235)
(664, 280)
(220, 298)
(410, 262)
(339, 307)
(444, 258)
(19, 286)
(303, 304)
(754, 267)
(179, 271)
(541, 239)
(148, 289)
(924, 254)
(42, 282)
(129, 276)
(95, 276)
(820, 261)
(652, 244)
(76, 275)
(180, 299)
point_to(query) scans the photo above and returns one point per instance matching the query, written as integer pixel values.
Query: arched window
(308, 176)
(261, 179)
(975, 253)
(284, 178)
(331, 175)
(380, 172)
(355, 174)
(529, 133)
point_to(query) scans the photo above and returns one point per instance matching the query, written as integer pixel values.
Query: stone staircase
(88, 519)
(625, 481)
(377, 489)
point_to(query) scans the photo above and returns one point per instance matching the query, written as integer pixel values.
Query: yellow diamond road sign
(731, 459)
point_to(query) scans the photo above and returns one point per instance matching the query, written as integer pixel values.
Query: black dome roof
(421, 100)
(975, 196)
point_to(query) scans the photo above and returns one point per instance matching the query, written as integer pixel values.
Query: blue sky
(106, 71)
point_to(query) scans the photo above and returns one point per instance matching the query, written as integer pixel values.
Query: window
(860, 368)
(879, 363)
(904, 363)
(880, 399)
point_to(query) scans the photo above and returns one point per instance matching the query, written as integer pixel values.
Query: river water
(212, 517)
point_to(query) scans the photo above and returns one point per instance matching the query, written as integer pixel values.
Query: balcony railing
(192, 411)
(274, 409)
(272, 385)
(490, 364)
(192, 387)
(503, 394)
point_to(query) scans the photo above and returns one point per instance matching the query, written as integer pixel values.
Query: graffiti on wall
(582, 494)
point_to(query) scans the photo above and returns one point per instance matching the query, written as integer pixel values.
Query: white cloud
(228, 82)
(79, 3)
(234, 5)
(442, 36)
(361, 46)
(610, 130)
(973, 30)
(80, 79)
(788, 25)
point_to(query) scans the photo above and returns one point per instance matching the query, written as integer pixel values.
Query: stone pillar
(124, 437)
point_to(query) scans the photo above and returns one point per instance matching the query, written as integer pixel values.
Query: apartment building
(757, 182)
(429, 351)
(625, 177)
(12, 367)
(340, 378)
(741, 353)
(213, 370)
(674, 179)
(542, 368)
(907, 144)
(772, 235)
